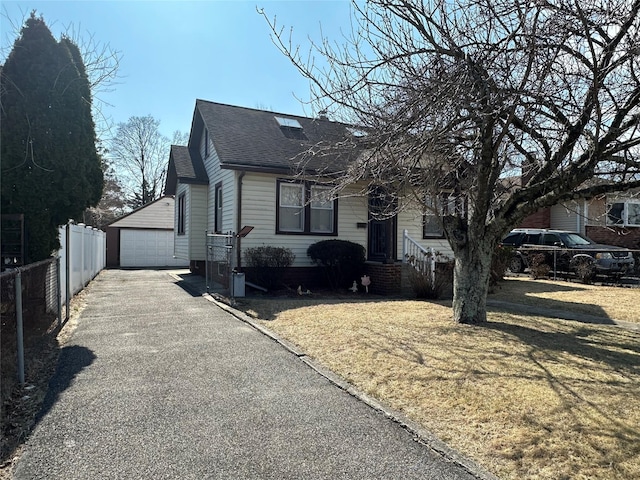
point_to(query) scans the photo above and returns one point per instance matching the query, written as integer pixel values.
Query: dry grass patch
(618, 303)
(526, 397)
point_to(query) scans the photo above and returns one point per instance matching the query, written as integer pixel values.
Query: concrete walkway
(160, 384)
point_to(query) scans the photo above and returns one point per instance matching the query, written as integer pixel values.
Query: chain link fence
(31, 317)
(219, 260)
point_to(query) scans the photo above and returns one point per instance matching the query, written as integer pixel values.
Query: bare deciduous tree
(139, 154)
(509, 106)
(112, 203)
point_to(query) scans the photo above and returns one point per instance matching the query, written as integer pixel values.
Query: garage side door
(148, 248)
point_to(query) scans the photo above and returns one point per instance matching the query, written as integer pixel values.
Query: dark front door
(382, 230)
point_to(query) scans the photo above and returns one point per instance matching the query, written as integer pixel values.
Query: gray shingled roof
(188, 165)
(251, 139)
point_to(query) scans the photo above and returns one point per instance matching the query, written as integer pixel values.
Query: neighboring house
(144, 237)
(613, 219)
(239, 169)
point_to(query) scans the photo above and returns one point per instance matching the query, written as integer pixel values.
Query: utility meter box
(237, 285)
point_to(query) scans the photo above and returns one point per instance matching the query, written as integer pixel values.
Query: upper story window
(305, 208)
(624, 214)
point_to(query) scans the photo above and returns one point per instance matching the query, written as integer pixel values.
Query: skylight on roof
(356, 132)
(288, 122)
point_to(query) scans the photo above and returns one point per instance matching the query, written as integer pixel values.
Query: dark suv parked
(567, 251)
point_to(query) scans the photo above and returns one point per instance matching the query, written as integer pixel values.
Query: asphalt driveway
(159, 384)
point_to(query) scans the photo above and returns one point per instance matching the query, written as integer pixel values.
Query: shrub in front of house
(500, 262)
(433, 285)
(267, 265)
(538, 267)
(341, 260)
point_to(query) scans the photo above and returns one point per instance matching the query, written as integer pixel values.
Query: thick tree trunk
(471, 282)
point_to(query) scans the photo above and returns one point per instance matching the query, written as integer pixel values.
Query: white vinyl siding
(259, 211)
(566, 217)
(196, 229)
(181, 242)
(410, 219)
(191, 245)
(353, 210)
(158, 214)
(228, 180)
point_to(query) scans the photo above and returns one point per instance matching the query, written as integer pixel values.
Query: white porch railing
(422, 259)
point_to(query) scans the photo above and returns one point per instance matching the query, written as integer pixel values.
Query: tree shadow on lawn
(577, 312)
(615, 353)
(524, 300)
(559, 355)
(599, 345)
(542, 286)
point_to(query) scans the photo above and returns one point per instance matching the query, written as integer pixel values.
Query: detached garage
(144, 237)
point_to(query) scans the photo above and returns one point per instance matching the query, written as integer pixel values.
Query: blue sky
(176, 51)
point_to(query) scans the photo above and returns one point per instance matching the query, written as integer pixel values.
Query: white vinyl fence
(82, 256)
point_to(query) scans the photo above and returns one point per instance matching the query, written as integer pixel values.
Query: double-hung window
(291, 208)
(305, 208)
(432, 222)
(321, 210)
(435, 208)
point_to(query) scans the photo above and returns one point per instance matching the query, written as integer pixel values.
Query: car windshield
(574, 239)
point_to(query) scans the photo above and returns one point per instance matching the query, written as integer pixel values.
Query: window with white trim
(305, 208)
(624, 214)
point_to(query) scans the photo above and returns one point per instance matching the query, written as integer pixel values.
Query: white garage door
(148, 248)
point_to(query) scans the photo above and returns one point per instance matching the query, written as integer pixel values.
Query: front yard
(524, 396)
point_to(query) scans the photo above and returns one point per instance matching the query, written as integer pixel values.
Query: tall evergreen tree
(50, 168)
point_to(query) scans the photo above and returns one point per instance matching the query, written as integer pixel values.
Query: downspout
(239, 224)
